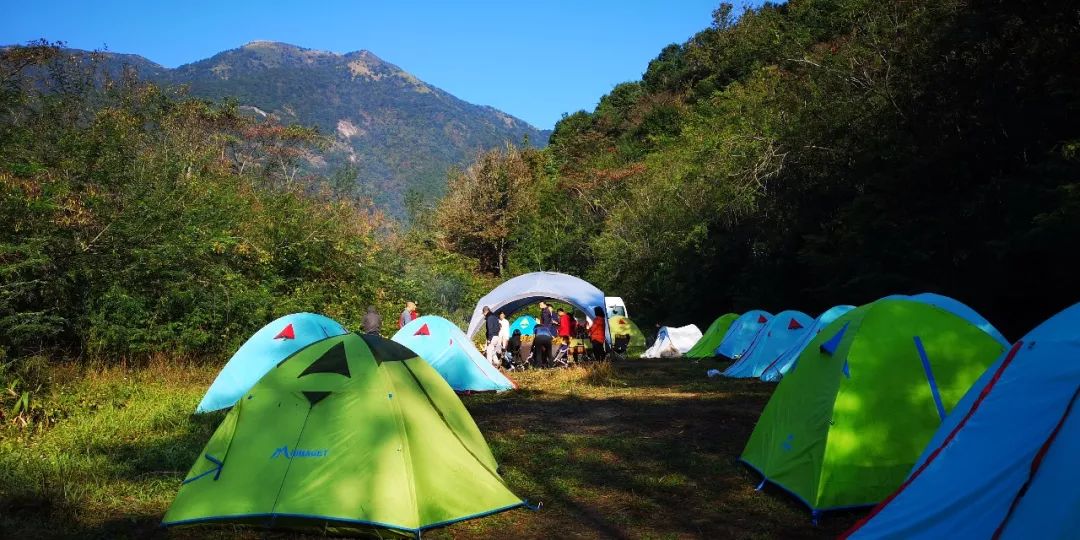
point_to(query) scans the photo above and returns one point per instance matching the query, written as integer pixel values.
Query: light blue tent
(1003, 463)
(777, 336)
(786, 360)
(264, 350)
(445, 347)
(741, 333)
(959, 309)
(525, 323)
(514, 294)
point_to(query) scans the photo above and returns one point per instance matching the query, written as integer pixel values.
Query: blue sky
(533, 59)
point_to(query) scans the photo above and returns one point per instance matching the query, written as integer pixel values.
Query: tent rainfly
(351, 435)
(261, 352)
(1003, 464)
(846, 424)
(446, 348)
(672, 342)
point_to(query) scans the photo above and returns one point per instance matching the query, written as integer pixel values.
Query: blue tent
(264, 350)
(445, 347)
(525, 323)
(514, 294)
(779, 334)
(957, 308)
(786, 360)
(742, 332)
(1003, 463)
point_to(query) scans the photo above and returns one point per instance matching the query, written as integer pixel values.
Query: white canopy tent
(518, 292)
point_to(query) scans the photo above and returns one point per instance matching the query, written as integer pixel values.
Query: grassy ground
(646, 449)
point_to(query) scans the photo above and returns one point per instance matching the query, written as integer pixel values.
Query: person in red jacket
(566, 326)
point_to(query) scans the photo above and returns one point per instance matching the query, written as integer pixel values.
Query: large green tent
(623, 326)
(853, 414)
(350, 434)
(706, 346)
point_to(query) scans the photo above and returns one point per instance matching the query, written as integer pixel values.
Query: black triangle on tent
(315, 397)
(385, 350)
(332, 361)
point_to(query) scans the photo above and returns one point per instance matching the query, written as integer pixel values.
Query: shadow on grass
(653, 457)
(658, 460)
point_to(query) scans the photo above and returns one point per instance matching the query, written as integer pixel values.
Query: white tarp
(673, 342)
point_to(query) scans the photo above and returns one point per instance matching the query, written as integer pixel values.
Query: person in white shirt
(504, 329)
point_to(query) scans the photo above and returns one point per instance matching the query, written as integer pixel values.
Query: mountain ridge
(397, 131)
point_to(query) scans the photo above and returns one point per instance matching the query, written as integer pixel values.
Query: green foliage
(830, 151)
(139, 221)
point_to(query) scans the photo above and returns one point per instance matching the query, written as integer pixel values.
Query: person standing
(566, 326)
(504, 330)
(541, 346)
(545, 318)
(597, 335)
(408, 315)
(372, 321)
(491, 330)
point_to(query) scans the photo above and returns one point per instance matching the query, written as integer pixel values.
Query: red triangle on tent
(423, 331)
(761, 319)
(286, 333)
(793, 325)
(622, 321)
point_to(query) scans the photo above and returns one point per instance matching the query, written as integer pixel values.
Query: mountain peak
(390, 129)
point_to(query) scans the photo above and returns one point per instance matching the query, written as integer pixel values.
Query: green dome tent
(853, 414)
(706, 346)
(350, 434)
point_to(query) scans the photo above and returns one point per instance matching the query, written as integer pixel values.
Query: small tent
(619, 325)
(1003, 464)
(780, 333)
(775, 371)
(352, 434)
(741, 333)
(261, 352)
(844, 427)
(446, 348)
(671, 342)
(710, 340)
(525, 323)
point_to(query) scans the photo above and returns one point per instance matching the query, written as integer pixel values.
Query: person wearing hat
(408, 315)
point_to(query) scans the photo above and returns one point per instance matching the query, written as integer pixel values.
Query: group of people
(373, 321)
(551, 326)
(553, 329)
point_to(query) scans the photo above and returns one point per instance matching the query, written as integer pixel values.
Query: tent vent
(423, 331)
(761, 319)
(315, 397)
(332, 361)
(834, 342)
(385, 350)
(793, 325)
(286, 333)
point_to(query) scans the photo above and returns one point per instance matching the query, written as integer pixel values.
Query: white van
(615, 307)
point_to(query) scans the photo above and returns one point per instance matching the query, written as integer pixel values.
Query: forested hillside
(140, 221)
(795, 156)
(807, 154)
